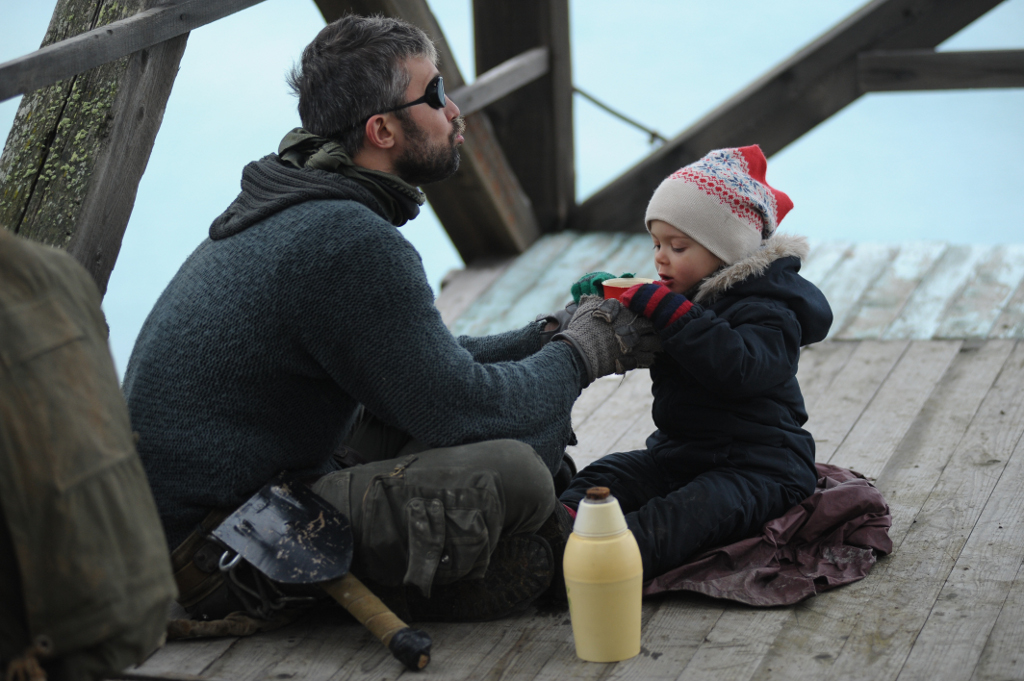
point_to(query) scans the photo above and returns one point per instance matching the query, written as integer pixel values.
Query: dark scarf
(398, 198)
(312, 168)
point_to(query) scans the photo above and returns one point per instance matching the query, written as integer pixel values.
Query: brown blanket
(831, 538)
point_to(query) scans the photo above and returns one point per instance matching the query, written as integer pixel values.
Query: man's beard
(422, 163)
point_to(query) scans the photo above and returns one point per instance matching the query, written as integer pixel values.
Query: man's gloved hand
(610, 338)
(590, 284)
(556, 322)
(638, 340)
(657, 303)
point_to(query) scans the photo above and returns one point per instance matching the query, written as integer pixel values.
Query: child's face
(681, 261)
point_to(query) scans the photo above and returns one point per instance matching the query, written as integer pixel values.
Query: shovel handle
(410, 646)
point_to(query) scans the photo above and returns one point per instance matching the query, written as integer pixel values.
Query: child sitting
(732, 311)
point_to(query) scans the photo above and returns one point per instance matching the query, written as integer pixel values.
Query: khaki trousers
(433, 516)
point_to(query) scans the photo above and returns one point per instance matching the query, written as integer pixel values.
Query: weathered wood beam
(77, 150)
(534, 124)
(887, 71)
(483, 206)
(502, 80)
(111, 41)
(787, 102)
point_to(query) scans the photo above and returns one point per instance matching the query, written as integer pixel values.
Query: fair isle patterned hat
(722, 202)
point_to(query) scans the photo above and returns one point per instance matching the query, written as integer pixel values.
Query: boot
(519, 572)
(556, 530)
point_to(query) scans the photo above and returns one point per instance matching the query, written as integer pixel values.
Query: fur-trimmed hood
(775, 248)
(772, 272)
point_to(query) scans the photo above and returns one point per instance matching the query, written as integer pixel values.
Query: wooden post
(77, 150)
(502, 80)
(785, 103)
(533, 124)
(902, 70)
(69, 57)
(483, 206)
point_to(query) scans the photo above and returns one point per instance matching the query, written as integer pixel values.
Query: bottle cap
(599, 515)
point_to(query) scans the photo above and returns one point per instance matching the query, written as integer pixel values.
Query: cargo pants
(433, 516)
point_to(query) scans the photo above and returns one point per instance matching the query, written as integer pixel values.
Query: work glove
(590, 284)
(610, 338)
(657, 303)
(560, 318)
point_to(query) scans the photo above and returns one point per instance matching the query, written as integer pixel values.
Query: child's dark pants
(683, 498)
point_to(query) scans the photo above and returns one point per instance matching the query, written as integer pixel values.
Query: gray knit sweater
(303, 305)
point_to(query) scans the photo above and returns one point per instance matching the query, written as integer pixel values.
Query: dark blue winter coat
(725, 388)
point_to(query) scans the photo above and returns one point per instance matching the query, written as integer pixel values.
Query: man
(306, 322)
(85, 580)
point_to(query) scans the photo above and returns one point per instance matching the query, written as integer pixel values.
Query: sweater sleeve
(510, 346)
(385, 345)
(755, 348)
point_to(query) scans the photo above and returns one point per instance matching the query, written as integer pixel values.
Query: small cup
(614, 288)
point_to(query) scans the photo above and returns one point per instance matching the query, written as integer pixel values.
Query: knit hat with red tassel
(722, 202)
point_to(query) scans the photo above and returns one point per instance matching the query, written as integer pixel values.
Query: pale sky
(889, 168)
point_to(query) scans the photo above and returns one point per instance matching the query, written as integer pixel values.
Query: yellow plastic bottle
(604, 580)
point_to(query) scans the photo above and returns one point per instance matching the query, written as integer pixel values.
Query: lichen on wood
(74, 158)
(58, 131)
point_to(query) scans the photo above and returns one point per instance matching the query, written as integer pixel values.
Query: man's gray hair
(353, 69)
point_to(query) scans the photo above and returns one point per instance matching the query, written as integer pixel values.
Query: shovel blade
(290, 534)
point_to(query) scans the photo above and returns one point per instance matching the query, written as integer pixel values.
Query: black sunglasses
(434, 96)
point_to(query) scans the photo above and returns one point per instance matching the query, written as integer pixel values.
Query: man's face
(429, 146)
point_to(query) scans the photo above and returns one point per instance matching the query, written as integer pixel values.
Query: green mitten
(590, 284)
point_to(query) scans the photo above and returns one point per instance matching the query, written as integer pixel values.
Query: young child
(732, 311)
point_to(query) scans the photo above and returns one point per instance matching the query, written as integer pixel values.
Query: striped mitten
(657, 303)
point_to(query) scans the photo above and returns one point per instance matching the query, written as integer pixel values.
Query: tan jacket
(85, 531)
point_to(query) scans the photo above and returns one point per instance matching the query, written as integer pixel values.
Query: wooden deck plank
(956, 631)
(823, 258)
(883, 301)
(735, 646)
(846, 283)
(185, 657)
(1001, 658)
(915, 467)
(906, 481)
(321, 648)
(819, 366)
(975, 310)
(518, 650)
(517, 279)
(1011, 319)
(669, 639)
(612, 418)
(923, 312)
(250, 655)
(852, 626)
(666, 627)
(461, 288)
(635, 437)
(872, 625)
(832, 417)
(592, 397)
(550, 291)
(897, 403)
